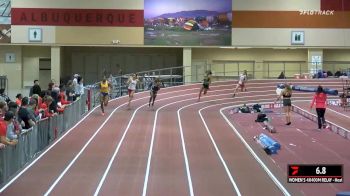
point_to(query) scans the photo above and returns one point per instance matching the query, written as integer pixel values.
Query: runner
(241, 83)
(105, 86)
(206, 83)
(154, 90)
(133, 80)
(287, 102)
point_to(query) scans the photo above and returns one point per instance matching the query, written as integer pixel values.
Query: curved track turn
(179, 147)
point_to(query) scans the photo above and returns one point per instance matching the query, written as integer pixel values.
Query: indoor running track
(179, 147)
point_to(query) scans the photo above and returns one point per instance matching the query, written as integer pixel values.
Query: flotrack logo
(317, 12)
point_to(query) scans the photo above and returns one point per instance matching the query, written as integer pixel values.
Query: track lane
(244, 168)
(301, 144)
(82, 169)
(45, 170)
(195, 88)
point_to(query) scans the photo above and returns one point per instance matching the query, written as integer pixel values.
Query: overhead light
(232, 47)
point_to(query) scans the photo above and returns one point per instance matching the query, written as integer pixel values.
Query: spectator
(3, 129)
(282, 76)
(19, 99)
(325, 74)
(3, 108)
(24, 115)
(49, 88)
(76, 86)
(3, 96)
(53, 105)
(35, 88)
(33, 110)
(81, 85)
(13, 107)
(45, 107)
(14, 128)
(329, 73)
(38, 100)
(62, 96)
(338, 73)
(70, 91)
(320, 74)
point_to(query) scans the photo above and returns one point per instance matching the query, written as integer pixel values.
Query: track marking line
(98, 130)
(87, 115)
(144, 193)
(81, 151)
(43, 153)
(116, 151)
(262, 164)
(52, 145)
(346, 116)
(228, 172)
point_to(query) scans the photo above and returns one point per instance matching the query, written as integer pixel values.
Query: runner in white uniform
(241, 83)
(133, 80)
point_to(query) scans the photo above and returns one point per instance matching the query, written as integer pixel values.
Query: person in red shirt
(319, 100)
(19, 98)
(3, 129)
(45, 107)
(62, 97)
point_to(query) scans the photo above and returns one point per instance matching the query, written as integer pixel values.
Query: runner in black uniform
(154, 90)
(206, 83)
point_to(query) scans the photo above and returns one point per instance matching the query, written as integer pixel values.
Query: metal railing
(34, 140)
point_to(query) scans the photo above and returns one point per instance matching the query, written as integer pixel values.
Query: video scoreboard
(315, 173)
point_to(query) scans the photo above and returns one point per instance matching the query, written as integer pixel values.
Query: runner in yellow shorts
(105, 86)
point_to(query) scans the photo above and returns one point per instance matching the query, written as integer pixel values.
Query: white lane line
(93, 136)
(87, 115)
(64, 135)
(182, 141)
(348, 131)
(52, 145)
(81, 151)
(346, 116)
(145, 184)
(116, 152)
(49, 148)
(213, 141)
(341, 114)
(228, 172)
(262, 164)
(151, 146)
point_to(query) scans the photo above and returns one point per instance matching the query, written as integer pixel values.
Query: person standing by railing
(8, 118)
(105, 87)
(132, 82)
(320, 99)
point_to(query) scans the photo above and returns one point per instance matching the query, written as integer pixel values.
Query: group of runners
(105, 88)
(285, 95)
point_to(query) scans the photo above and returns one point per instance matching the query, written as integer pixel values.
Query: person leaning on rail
(8, 118)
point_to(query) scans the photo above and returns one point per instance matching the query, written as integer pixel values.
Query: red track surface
(183, 147)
